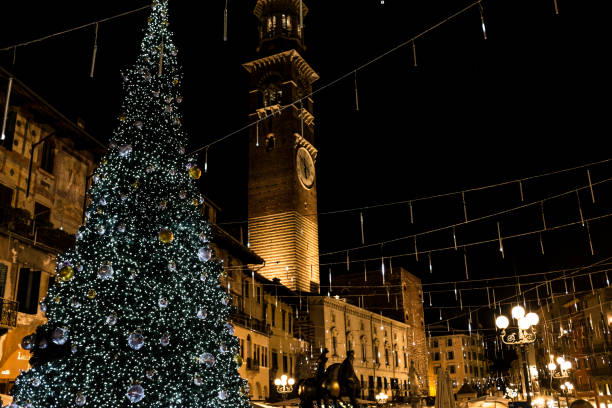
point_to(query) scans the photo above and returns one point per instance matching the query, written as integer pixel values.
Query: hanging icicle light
(6, 108)
(484, 29)
(411, 213)
(591, 186)
(382, 269)
(414, 57)
(590, 240)
(501, 244)
(362, 235)
(225, 22)
(356, 94)
(257, 133)
(464, 206)
(95, 51)
(430, 267)
(206, 160)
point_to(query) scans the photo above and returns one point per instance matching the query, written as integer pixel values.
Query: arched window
(270, 142)
(272, 95)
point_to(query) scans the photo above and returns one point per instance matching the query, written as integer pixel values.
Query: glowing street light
(284, 386)
(564, 367)
(524, 334)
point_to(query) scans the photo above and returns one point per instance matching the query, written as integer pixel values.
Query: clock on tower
(282, 196)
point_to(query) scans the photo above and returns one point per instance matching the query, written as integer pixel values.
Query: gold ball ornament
(123, 118)
(57, 299)
(195, 202)
(175, 81)
(166, 236)
(66, 273)
(195, 172)
(238, 360)
(92, 293)
(136, 183)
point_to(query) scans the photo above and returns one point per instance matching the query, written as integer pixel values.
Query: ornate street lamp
(567, 388)
(284, 386)
(381, 398)
(522, 335)
(562, 365)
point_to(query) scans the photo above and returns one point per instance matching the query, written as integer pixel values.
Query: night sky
(532, 98)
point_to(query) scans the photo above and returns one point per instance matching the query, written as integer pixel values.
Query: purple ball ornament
(207, 359)
(230, 328)
(126, 149)
(136, 340)
(111, 319)
(164, 340)
(202, 314)
(60, 335)
(135, 393)
(204, 254)
(222, 395)
(80, 399)
(105, 272)
(28, 342)
(162, 302)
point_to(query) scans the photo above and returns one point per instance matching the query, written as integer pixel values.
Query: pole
(526, 375)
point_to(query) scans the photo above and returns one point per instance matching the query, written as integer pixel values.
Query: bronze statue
(339, 380)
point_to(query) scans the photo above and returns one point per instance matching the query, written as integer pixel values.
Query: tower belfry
(282, 197)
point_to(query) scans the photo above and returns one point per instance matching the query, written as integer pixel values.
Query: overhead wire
(93, 23)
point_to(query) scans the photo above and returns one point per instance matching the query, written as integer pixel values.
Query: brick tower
(282, 197)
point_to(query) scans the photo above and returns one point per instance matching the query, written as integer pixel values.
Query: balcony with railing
(252, 364)
(251, 323)
(18, 221)
(8, 316)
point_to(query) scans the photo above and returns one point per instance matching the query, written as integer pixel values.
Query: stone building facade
(463, 355)
(263, 316)
(384, 347)
(577, 327)
(45, 163)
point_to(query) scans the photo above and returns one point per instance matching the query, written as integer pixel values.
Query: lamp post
(563, 365)
(523, 335)
(381, 398)
(567, 389)
(284, 386)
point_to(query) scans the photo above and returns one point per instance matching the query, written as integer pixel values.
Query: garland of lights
(137, 315)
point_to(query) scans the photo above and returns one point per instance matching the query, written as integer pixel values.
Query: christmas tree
(137, 314)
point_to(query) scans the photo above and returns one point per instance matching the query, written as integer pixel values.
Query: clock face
(305, 168)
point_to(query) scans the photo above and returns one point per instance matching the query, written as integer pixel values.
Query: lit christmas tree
(137, 315)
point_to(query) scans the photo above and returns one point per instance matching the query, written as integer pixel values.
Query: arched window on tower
(272, 95)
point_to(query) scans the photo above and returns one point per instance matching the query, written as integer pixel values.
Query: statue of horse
(339, 380)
